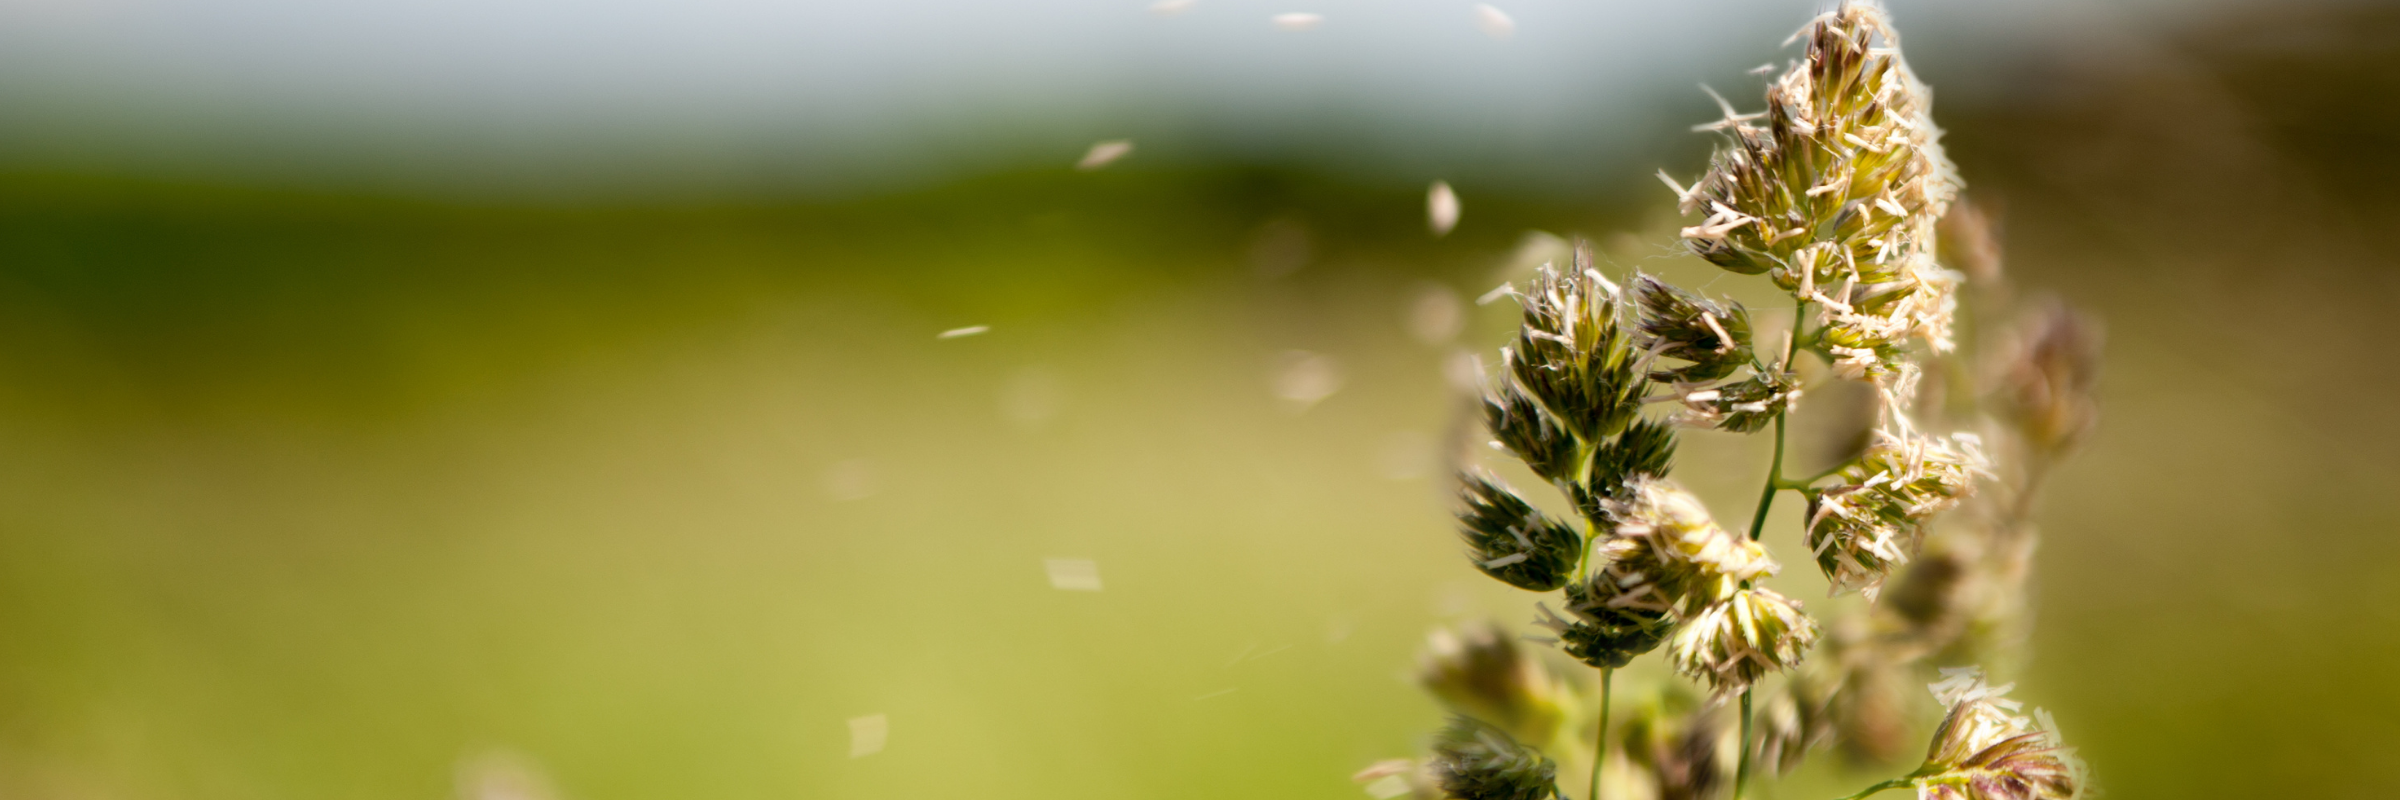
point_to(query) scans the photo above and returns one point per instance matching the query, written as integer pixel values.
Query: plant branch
(1758, 525)
(1766, 499)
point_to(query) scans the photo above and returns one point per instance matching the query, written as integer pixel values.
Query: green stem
(1895, 783)
(1766, 499)
(1741, 774)
(1758, 525)
(1600, 741)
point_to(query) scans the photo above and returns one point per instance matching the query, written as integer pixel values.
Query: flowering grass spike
(1837, 193)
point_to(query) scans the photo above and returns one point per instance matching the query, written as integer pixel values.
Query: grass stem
(1766, 498)
(1741, 774)
(1600, 739)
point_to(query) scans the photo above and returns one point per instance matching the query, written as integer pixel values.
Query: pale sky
(829, 89)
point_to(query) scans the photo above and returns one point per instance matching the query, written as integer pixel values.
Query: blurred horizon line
(1404, 93)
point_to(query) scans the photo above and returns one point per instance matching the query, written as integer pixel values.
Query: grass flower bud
(1677, 748)
(1532, 434)
(1792, 722)
(1864, 688)
(1645, 451)
(1931, 600)
(1742, 406)
(1475, 761)
(1984, 751)
(1572, 356)
(1605, 646)
(1732, 643)
(2048, 377)
(1835, 190)
(1677, 526)
(1713, 337)
(1624, 609)
(1971, 240)
(1512, 541)
(1873, 522)
(1480, 671)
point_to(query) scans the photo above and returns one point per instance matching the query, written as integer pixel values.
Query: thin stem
(1766, 498)
(1600, 741)
(1741, 774)
(1895, 783)
(1758, 525)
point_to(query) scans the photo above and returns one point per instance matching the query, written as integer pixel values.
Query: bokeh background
(396, 392)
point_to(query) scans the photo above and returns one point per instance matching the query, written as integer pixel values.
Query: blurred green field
(310, 495)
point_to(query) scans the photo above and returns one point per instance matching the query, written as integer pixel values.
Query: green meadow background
(310, 493)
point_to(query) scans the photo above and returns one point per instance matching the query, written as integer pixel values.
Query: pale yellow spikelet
(1679, 527)
(1871, 523)
(1985, 750)
(1732, 643)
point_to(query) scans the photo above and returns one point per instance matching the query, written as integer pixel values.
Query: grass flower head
(1474, 760)
(1731, 644)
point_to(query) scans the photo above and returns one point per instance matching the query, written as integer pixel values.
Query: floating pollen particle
(1302, 379)
(1441, 207)
(1032, 398)
(1388, 787)
(1397, 777)
(1406, 456)
(1169, 8)
(1494, 22)
(961, 333)
(1072, 574)
(1104, 153)
(1436, 315)
(1298, 21)
(868, 733)
(850, 480)
(503, 775)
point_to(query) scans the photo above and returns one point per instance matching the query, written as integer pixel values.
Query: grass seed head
(1475, 760)
(1573, 356)
(2049, 373)
(1645, 451)
(1712, 337)
(1674, 524)
(1512, 541)
(1625, 608)
(1525, 429)
(1482, 672)
(1873, 521)
(1732, 643)
(1835, 191)
(1983, 750)
(1744, 406)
